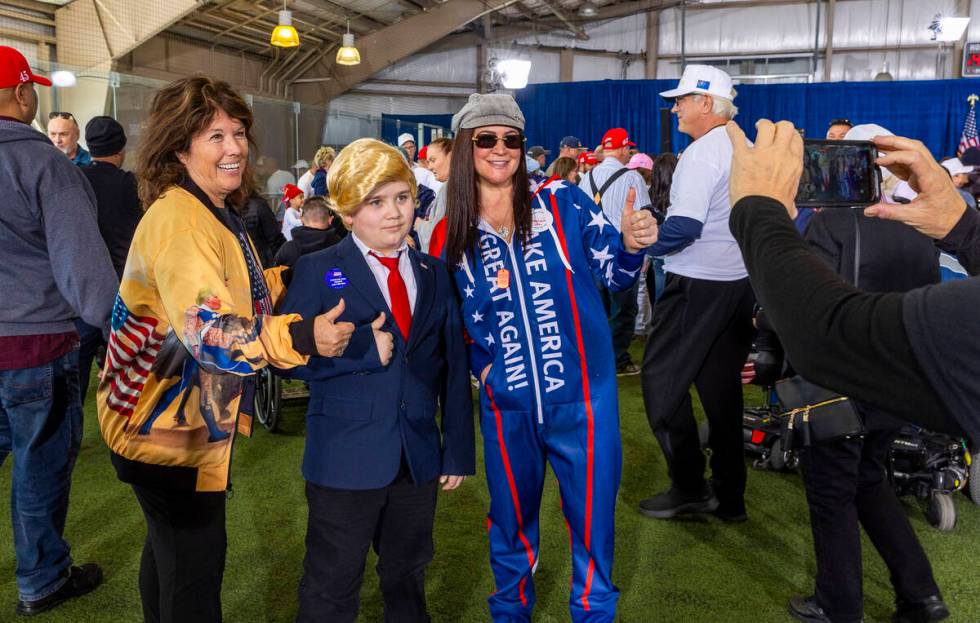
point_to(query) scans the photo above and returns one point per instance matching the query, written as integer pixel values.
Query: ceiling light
(63, 78)
(948, 28)
(514, 73)
(588, 9)
(348, 54)
(284, 35)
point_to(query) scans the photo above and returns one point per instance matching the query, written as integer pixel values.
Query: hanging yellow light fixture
(348, 54)
(284, 35)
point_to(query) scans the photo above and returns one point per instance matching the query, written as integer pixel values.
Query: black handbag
(814, 415)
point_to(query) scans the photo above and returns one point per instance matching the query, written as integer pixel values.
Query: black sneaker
(81, 580)
(923, 611)
(627, 369)
(674, 502)
(806, 609)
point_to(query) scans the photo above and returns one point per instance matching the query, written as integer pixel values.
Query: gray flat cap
(488, 109)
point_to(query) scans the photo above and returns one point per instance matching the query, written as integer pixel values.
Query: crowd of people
(393, 277)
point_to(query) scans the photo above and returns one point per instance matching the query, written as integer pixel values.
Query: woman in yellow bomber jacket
(192, 322)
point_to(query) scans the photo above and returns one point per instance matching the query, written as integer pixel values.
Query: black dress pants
(397, 520)
(701, 335)
(847, 485)
(184, 555)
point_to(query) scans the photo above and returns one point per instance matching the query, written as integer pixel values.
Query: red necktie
(398, 293)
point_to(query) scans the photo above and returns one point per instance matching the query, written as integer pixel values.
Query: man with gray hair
(702, 324)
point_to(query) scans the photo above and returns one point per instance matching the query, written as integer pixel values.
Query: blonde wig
(322, 156)
(360, 169)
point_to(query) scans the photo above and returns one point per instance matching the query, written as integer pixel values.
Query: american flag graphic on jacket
(133, 347)
(969, 137)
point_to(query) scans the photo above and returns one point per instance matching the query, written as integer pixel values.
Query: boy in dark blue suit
(374, 453)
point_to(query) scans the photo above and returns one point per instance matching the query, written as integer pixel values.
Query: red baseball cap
(289, 191)
(587, 157)
(424, 152)
(616, 138)
(14, 69)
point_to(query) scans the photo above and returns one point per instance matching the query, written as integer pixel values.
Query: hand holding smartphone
(839, 174)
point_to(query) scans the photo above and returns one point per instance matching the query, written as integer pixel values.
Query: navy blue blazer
(361, 415)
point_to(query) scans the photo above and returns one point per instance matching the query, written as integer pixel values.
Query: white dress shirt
(381, 273)
(305, 182)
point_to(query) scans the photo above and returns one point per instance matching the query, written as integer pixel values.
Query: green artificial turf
(692, 570)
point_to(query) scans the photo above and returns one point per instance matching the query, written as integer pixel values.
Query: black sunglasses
(62, 115)
(489, 141)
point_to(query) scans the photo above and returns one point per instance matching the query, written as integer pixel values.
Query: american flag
(133, 347)
(969, 138)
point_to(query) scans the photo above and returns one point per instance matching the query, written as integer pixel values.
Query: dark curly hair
(180, 111)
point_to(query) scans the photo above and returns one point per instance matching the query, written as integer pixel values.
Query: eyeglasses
(60, 115)
(489, 141)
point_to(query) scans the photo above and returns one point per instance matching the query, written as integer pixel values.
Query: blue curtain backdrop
(932, 111)
(393, 125)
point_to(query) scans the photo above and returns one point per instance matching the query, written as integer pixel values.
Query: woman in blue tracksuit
(541, 346)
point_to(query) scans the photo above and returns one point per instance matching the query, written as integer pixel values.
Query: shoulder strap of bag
(598, 194)
(857, 248)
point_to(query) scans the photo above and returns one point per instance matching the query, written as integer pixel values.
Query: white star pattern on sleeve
(477, 316)
(610, 272)
(469, 291)
(631, 273)
(598, 220)
(489, 340)
(602, 255)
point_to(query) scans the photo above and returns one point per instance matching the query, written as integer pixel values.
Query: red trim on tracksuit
(513, 491)
(587, 398)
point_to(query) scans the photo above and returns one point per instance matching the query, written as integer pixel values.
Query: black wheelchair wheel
(268, 399)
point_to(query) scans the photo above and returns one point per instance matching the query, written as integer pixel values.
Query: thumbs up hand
(332, 337)
(384, 340)
(639, 228)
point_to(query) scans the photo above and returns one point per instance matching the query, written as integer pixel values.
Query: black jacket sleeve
(836, 336)
(963, 241)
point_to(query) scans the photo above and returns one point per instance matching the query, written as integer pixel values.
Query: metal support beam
(94, 33)
(577, 30)
(425, 94)
(828, 58)
(566, 65)
(963, 9)
(653, 45)
(389, 45)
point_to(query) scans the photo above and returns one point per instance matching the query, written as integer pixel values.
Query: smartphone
(839, 174)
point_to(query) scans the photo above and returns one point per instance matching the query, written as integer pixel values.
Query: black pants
(702, 332)
(397, 520)
(846, 485)
(184, 555)
(621, 309)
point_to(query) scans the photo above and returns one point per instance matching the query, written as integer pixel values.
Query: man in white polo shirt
(702, 324)
(608, 184)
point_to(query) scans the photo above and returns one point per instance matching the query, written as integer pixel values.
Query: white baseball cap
(866, 132)
(703, 79)
(405, 138)
(956, 167)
